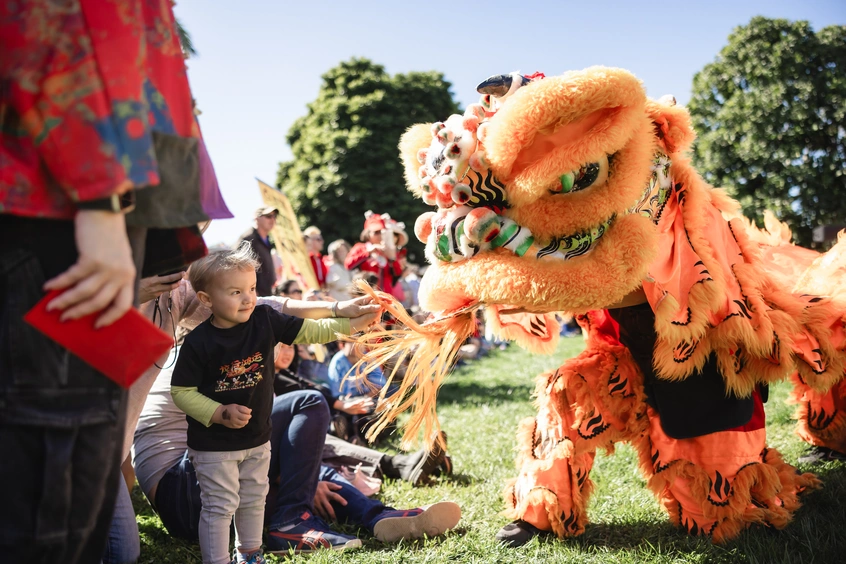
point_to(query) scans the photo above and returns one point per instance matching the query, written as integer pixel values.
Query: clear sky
(260, 61)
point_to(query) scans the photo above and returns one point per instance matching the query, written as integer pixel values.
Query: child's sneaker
(308, 535)
(252, 558)
(431, 520)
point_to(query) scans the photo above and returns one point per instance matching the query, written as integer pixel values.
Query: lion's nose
(500, 84)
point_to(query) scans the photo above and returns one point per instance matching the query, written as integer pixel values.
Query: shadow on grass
(459, 479)
(469, 393)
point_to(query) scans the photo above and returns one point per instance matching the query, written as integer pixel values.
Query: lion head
(546, 196)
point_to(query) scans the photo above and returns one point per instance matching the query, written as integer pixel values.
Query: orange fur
(431, 350)
(612, 270)
(672, 127)
(415, 138)
(544, 104)
(557, 214)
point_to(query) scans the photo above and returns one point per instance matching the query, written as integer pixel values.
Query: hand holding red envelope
(123, 351)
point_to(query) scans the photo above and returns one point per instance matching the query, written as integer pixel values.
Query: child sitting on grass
(223, 381)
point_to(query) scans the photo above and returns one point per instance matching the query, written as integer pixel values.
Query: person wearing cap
(313, 239)
(259, 239)
(382, 245)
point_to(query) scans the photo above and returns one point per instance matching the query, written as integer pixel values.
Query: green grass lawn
(479, 408)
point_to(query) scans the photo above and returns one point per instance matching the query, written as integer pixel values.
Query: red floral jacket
(82, 86)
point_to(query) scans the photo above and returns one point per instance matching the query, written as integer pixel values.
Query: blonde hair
(203, 272)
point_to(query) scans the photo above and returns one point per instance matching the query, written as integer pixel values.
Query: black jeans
(61, 421)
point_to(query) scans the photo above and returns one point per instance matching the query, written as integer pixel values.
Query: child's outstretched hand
(357, 307)
(232, 415)
(362, 322)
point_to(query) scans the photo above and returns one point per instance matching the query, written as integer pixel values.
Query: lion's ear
(672, 125)
(413, 141)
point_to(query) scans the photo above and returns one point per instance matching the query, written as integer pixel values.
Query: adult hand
(104, 274)
(354, 406)
(324, 495)
(357, 307)
(232, 415)
(152, 287)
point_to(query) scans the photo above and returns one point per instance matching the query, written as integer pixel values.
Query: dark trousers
(61, 421)
(300, 421)
(360, 509)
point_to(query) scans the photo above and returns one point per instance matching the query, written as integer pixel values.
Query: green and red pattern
(83, 84)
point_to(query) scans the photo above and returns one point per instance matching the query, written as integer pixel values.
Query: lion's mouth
(567, 247)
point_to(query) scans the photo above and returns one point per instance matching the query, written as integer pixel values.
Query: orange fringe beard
(430, 349)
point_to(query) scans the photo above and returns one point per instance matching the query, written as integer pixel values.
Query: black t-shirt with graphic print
(234, 365)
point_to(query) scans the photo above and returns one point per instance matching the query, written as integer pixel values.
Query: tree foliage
(185, 40)
(346, 159)
(770, 113)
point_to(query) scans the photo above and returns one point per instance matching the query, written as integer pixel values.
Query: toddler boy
(223, 381)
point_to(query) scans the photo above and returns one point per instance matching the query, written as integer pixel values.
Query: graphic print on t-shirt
(240, 374)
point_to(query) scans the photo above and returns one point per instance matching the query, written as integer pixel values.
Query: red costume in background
(388, 271)
(363, 257)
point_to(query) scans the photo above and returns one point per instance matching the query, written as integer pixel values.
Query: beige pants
(232, 484)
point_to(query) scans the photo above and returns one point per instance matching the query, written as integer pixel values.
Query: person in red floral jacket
(95, 110)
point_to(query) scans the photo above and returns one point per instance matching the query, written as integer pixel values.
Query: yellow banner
(288, 238)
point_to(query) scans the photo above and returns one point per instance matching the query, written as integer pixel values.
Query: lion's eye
(591, 174)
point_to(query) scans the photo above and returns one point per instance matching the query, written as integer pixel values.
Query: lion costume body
(573, 193)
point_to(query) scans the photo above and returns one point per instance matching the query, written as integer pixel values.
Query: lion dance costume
(573, 193)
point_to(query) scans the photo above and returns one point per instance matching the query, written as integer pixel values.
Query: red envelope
(123, 351)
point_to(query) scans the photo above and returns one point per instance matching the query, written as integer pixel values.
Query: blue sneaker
(308, 535)
(431, 520)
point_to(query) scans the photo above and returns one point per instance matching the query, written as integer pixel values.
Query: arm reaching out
(321, 310)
